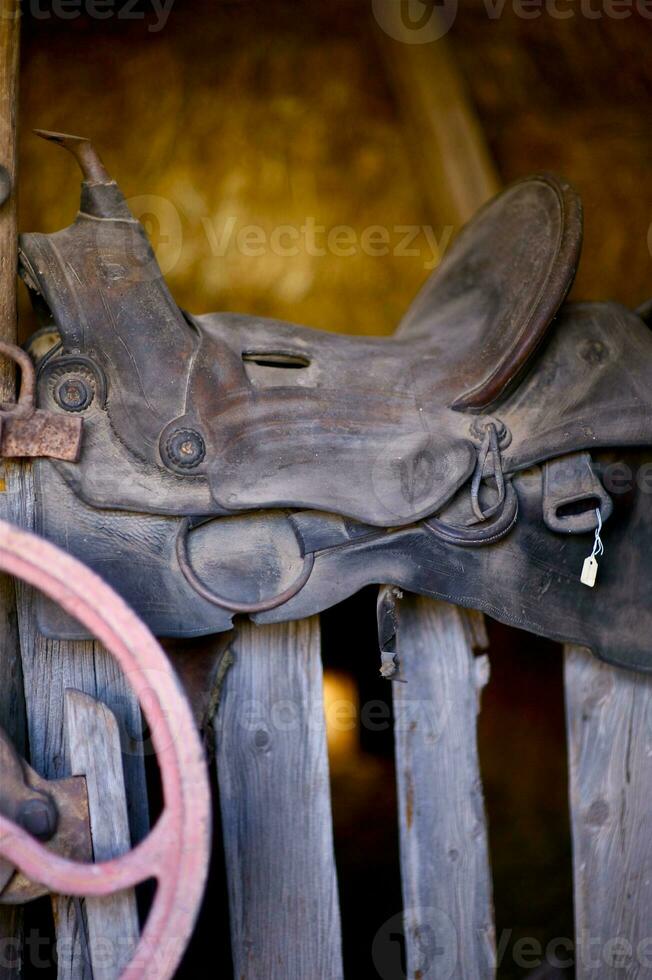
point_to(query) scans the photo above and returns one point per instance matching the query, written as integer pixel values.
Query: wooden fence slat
(609, 716)
(49, 668)
(447, 888)
(12, 714)
(93, 743)
(12, 720)
(272, 767)
(9, 59)
(447, 891)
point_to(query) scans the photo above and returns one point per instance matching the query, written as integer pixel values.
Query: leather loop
(491, 445)
(475, 535)
(572, 492)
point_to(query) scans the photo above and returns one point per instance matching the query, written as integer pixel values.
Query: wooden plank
(609, 715)
(445, 869)
(450, 152)
(12, 720)
(448, 915)
(12, 712)
(93, 742)
(273, 775)
(51, 667)
(9, 56)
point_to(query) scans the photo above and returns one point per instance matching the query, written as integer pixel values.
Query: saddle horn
(100, 196)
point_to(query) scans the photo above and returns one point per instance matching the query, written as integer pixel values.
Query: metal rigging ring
(232, 605)
(176, 852)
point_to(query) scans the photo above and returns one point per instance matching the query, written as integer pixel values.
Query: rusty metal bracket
(26, 805)
(54, 811)
(27, 431)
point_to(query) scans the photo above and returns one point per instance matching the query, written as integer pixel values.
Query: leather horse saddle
(232, 464)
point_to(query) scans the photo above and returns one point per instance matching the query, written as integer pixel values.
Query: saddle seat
(381, 430)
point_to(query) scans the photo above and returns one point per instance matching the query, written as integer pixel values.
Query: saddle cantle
(235, 464)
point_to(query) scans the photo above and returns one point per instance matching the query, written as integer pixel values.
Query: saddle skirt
(277, 445)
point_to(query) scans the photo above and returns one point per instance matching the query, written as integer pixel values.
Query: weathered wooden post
(272, 766)
(447, 888)
(609, 716)
(12, 712)
(445, 868)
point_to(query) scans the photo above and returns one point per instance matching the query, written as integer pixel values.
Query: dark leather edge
(517, 358)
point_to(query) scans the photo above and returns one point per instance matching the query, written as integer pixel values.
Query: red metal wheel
(176, 852)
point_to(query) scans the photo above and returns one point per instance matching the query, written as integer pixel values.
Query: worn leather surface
(529, 579)
(335, 434)
(361, 452)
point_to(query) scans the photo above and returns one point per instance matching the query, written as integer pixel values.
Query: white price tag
(590, 566)
(589, 571)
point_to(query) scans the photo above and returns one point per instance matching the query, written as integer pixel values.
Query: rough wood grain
(12, 715)
(447, 889)
(609, 715)
(9, 52)
(448, 915)
(93, 742)
(50, 668)
(12, 719)
(275, 796)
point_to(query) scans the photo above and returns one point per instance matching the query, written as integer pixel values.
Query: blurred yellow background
(272, 113)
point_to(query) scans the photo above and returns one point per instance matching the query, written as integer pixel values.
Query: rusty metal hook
(25, 406)
(25, 430)
(25, 805)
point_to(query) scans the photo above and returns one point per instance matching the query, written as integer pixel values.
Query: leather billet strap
(490, 445)
(489, 521)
